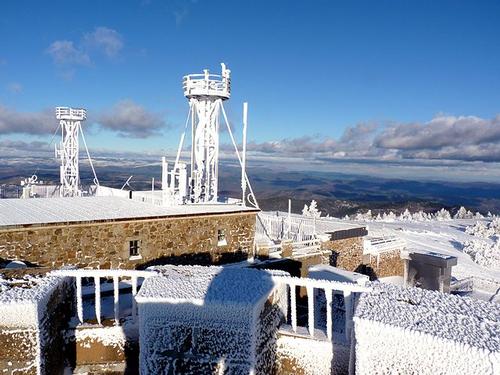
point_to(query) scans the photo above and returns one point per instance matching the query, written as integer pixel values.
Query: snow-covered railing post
(348, 290)
(116, 299)
(97, 283)
(79, 299)
(329, 320)
(310, 309)
(348, 313)
(134, 292)
(293, 306)
(97, 275)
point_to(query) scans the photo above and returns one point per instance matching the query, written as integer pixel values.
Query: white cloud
(64, 52)
(109, 41)
(69, 53)
(130, 119)
(12, 121)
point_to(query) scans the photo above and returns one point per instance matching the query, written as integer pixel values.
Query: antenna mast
(70, 121)
(205, 93)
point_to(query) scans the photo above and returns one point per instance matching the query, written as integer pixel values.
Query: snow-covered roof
(213, 285)
(326, 272)
(14, 212)
(461, 319)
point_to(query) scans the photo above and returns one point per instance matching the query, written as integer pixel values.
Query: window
(221, 237)
(134, 247)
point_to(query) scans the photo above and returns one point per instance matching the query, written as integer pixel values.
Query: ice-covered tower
(70, 121)
(205, 93)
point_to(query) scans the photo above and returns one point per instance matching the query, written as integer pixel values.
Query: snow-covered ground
(446, 237)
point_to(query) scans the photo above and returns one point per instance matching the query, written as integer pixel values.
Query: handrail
(97, 274)
(348, 290)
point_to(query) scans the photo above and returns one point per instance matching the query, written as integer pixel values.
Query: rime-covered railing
(206, 84)
(349, 291)
(97, 276)
(280, 227)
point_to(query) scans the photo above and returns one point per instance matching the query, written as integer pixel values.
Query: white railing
(298, 247)
(280, 227)
(349, 292)
(97, 275)
(383, 244)
(206, 84)
(67, 113)
(152, 197)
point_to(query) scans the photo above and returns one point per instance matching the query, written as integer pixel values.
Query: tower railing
(67, 113)
(206, 85)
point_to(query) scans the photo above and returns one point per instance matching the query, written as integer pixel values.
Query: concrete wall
(106, 244)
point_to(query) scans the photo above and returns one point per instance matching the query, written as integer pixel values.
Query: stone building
(114, 232)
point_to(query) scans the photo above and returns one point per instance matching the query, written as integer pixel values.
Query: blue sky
(338, 77)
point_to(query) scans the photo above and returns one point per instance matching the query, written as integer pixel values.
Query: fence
(280, 227)
(292, 283)
(97, 275)
(348, 291)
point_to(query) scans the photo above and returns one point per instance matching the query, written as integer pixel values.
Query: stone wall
(18, 350)
(348, 255)
(36, 347)
(106, 244)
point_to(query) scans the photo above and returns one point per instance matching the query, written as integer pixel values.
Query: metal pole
(244, 156)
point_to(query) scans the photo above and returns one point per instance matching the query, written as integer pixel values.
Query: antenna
(70, 121)
(205, 93)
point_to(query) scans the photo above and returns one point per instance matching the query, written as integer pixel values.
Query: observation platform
(67, 113)
(206, 84)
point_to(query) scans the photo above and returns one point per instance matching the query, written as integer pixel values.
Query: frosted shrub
(483, 230)
(484, 253)
(442, 215)
(463, 213)
(311, 210)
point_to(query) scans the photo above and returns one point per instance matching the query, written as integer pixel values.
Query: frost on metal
(206, 319)
(411, 330)
(31, 317)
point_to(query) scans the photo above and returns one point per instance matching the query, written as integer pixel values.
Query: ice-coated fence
(97, 276)
(293, 283)
(281, 227)
(329, 288)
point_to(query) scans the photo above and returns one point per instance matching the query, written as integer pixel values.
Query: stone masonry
(348, 254)
(105, 244)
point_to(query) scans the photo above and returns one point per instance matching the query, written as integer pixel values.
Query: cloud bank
(130, 119)
(466, 138)
(126, 118)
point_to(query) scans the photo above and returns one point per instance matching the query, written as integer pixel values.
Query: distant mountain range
(337, 194)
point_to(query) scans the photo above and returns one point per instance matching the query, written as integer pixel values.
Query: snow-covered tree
(463, 213)
(442, 215)
(406, 215)
(418, 216)
(483, 252)
(391, 216)
(312, 210)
